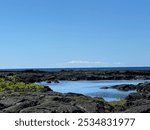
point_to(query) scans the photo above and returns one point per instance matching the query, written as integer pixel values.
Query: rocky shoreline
(31, 76)
(138, 102)
(48, 101)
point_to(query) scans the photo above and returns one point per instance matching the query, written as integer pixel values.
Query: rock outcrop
(138, 102)
(31, 76)
(125, 87)
(50, 102)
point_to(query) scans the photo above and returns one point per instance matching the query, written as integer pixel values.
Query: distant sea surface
(79, 69)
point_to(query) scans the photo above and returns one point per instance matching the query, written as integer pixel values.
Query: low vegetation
(118, 105)
(11, 83)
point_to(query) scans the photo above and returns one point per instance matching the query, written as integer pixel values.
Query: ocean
(80, 69)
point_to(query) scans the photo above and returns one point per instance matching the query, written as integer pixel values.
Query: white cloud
(85, 62)
(118, 63)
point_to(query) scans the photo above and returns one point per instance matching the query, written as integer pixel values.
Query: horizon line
(27, 68)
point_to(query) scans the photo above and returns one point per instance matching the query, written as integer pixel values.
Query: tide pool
(93, 88)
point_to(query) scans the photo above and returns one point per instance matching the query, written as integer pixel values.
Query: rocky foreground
(19, 95)
(48, 101)
(51, 102)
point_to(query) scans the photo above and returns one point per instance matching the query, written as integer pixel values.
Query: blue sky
(74, 33)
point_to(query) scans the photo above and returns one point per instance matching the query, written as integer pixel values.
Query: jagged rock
(49, 81)
(31, 76)
(50, 102)
(46, 89)
(143, 87)
(134, 96)
(125, 87)
(56, 81)
(2, 106)
(139, 107)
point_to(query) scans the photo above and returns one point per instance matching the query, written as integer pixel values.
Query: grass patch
(83, 99)
(118, 105)
(11, 83)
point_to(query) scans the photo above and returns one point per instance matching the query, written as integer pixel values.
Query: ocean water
(93, 88)
(94, 69)
(77, 69)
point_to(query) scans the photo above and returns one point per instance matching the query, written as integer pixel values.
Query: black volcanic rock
(125, 87)
(2, 106)
(31, 76)
(139, 102)
(138, 106)
(46, 89)
(134, 96)
(144, 87)
(56, 81)
(50, 102)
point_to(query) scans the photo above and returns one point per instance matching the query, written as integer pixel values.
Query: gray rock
(125, 87)
(50, 102)
(145, 108)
